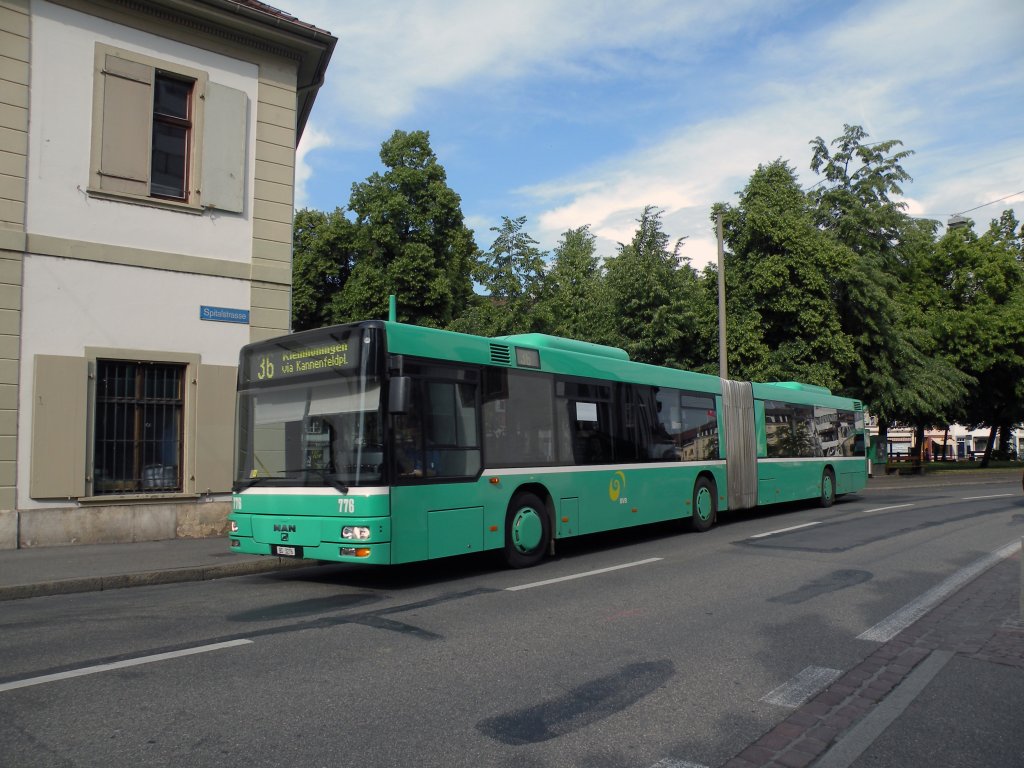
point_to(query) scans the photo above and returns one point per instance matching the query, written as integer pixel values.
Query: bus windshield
(318, 429)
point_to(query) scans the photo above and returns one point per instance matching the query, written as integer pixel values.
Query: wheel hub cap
(527, 529)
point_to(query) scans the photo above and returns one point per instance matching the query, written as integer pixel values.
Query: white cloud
(313, 138)
(390, 54)
(903, 69)
(790, 102)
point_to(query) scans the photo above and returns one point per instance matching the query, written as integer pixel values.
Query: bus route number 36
(347, 506)
(266, 370)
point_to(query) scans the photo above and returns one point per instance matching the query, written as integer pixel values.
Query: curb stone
(148, 578)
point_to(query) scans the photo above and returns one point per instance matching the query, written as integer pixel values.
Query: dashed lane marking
(784, 530)
(581, 575)
(802, 686)
(883, 509)
(119, 665)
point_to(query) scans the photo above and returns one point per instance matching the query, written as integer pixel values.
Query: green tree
(650, 288)
(512, 273)
(411, 238)
(747, 353)
(978, 293)
(782, 273)
(573, 291)
(894, 368)
(324, 253)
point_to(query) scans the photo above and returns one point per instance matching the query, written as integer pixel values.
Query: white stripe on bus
(314, 491)
(495, 471)
(817, 459)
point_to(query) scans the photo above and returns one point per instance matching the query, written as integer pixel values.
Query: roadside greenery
(834, 285)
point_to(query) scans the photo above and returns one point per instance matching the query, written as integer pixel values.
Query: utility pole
(723, 360)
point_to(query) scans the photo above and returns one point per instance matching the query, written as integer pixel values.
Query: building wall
(14, 97)
(71, 305)
(274, 202)
(86, 276)
(59, 170)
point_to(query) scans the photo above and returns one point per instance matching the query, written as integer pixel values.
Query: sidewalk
(36, 572)
(946, 691)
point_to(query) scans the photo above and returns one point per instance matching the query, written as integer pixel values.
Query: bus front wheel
(527, 530)
(705, 505)
(828, 488)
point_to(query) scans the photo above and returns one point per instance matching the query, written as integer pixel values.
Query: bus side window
(452, 448)
(408, 435)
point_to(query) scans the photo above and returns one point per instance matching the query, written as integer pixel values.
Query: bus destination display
(278, 363)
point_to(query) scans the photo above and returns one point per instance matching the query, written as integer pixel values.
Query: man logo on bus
(616, 486)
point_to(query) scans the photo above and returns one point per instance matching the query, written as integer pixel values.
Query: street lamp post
(723, 360)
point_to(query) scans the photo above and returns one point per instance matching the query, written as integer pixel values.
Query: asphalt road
(649, 648)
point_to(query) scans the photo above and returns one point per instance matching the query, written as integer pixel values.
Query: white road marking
(802, 686)
(119, 665)
(784, 530)
(995, 496)
(580, 575)
(671, 762)
(882, 509)
(889, 627)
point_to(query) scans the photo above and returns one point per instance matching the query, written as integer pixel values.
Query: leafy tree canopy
(411, 238)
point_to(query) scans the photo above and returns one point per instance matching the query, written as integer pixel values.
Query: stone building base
(113, 523)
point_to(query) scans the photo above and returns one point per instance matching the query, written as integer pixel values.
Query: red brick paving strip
(980, 621)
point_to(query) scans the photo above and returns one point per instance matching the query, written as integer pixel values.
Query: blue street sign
(224, 314)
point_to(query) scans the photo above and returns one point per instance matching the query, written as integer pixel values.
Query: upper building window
(164, 135)
(172, 136)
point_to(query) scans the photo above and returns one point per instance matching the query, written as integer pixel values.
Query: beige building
(147, 155)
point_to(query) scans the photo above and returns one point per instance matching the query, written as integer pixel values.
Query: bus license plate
(283, 551)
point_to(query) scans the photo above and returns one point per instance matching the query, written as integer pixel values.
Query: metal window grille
(139, 425)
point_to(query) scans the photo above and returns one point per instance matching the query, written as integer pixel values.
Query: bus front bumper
(336, 540)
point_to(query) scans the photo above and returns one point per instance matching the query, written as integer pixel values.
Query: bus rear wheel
(828, 488)
(705, 505)
(527, 531)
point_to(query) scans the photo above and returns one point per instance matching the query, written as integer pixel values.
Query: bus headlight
(234, 527)
(355, 532)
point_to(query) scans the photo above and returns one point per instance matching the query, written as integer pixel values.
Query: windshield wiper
(324, 475)
(249, 482)
(241, 485)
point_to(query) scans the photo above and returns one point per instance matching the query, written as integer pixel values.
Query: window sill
(135, 498)
(149, 202)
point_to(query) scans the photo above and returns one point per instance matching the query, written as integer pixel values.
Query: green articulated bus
(382, 442)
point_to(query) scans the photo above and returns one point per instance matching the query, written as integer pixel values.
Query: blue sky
(574, 112)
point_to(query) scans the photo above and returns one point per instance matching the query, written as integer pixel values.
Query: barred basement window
(139, 426)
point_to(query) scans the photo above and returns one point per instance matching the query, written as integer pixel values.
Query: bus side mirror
(400, 394)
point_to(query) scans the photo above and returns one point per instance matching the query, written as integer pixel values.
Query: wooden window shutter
(126, 126)
(215, 428)
(59, 394)
(224, 148)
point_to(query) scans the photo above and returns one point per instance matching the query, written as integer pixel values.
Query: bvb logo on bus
(616, 485)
